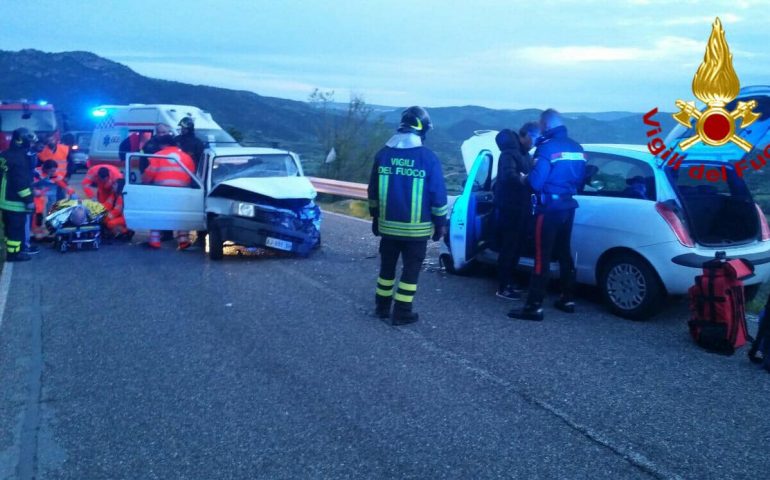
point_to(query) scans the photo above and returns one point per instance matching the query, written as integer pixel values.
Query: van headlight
(244, 209)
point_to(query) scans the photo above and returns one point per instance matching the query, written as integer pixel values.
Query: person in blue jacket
(558, 174)
(408, 205)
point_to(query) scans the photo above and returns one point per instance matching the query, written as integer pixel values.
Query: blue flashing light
(42, 103)
(99, 112)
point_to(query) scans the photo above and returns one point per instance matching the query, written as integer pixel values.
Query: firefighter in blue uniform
(408, 204)
(16, 200)
(558, 175)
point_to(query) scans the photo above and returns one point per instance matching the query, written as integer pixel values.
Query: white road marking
(327, 212)
(5, 285)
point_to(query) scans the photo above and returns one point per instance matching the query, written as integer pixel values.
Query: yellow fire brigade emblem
(716, 84)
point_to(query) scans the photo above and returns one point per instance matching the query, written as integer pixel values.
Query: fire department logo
(716, 84)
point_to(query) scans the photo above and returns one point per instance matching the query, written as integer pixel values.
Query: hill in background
(75, 82)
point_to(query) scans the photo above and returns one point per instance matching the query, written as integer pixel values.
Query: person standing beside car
(163, 137)
(512, 202)
(557, 176)
(59, 153)
(188, 142)
(408, 205)
(167, 172)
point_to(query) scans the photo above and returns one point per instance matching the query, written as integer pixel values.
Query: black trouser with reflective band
(14, 223)
(511, 233)
(412, 253)
(553, 232)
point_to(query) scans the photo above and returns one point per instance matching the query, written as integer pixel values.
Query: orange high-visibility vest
(115, 220)
(59, 156)
(104, 187)
(167, 172)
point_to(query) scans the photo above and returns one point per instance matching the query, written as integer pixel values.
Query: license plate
(278, 243)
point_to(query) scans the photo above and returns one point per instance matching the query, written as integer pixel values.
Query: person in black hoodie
(512, 202)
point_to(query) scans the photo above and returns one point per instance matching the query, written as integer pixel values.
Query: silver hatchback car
(642, 231)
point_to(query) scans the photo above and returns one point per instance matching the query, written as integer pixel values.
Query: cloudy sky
(581, 55)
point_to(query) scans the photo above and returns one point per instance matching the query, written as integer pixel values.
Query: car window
(483, 179)
(618, 176)
(161, 171)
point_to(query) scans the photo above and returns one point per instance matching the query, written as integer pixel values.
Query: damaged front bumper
(274, 229)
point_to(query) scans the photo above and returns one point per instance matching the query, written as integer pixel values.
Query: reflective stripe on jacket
(16, 182)
(406, 191)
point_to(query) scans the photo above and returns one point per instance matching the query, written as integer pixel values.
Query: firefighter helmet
(187, 122)
(415, 120)
(24, 138)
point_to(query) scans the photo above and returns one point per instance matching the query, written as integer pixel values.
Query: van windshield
(212, 135)
(252, 166)
(35, 120)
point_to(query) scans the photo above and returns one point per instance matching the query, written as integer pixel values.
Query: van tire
(623, 278)
(216, 244)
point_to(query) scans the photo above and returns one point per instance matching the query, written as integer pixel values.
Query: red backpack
(717, 305)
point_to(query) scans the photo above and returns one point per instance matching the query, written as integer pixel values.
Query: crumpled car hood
(275, 187)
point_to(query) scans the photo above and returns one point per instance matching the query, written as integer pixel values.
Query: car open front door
(469, 222)
(158, 207)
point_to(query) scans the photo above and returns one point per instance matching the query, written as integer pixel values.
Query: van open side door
(158, 207)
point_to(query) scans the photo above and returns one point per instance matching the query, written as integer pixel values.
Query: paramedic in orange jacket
(169, 173)
(58, 152)
(102, 178)
(115, 221)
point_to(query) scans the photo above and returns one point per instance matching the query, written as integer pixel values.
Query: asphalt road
(134, 364)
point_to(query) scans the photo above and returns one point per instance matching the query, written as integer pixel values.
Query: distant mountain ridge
(75, 82)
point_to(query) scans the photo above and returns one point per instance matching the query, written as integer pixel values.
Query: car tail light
(763, 223)
(673, 221)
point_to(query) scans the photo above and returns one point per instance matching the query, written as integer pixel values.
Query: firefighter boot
(383, 306)
(403, 314)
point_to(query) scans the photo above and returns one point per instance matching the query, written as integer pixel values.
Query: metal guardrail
(338, 187)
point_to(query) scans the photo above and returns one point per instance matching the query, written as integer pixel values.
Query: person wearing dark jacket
(161, 138)
(558, 175)
(408, 204)
(16, 198)
(512, 202)
(188, 142)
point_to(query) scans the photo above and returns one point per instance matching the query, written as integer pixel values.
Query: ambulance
(116, 123)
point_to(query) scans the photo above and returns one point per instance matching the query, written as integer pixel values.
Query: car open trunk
(717, 213)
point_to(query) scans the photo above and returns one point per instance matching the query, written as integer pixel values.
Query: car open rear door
(158, 207)
(468, 223)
